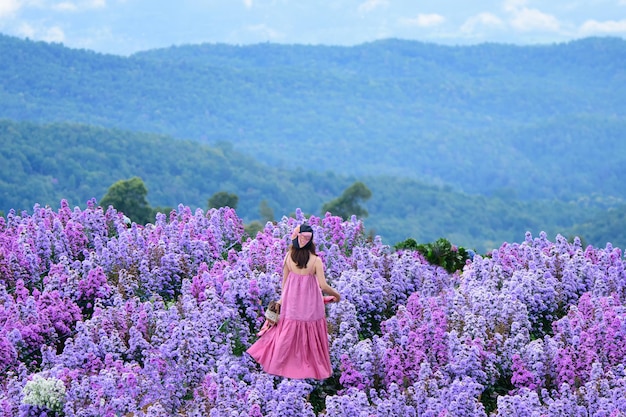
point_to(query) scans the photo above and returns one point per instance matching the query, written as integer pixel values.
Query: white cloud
(513, 5)
(371, 5)
(533, 19)
(9, 7)
(247, 3)
(265, 32)
(69, 6)
(481, 20)
(608, 26)
(424, 20)
(527, 19)
(51, 34)
(65, 6)
(26, 30)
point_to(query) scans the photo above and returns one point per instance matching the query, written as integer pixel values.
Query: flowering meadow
(99, 318)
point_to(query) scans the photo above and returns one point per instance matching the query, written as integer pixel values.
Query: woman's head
(302, 245)
(302, 236)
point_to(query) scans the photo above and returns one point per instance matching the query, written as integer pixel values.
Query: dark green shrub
(441, 253)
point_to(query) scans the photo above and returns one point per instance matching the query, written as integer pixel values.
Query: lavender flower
(155, 321)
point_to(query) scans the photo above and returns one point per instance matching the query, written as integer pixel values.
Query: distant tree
(129, 197)
(607, 226)
(267, 214)
(253, 228)
(441, 252)
(348, 203)
(159, 209)
(223, 199)
(572, 238)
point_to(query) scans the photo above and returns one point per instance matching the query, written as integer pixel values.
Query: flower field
(101, 319)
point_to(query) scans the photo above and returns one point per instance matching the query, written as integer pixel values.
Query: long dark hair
(301, 256)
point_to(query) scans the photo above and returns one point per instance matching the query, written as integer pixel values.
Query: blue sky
(126, 26)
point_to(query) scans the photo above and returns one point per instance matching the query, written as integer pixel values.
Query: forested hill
(46, 163)
(531, 122)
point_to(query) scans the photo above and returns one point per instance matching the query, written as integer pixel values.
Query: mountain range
(535, 129)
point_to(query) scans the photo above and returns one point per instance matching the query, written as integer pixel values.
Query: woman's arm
(321, 280)
(285, 275)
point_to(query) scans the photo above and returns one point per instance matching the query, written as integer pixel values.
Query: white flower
(44, 392)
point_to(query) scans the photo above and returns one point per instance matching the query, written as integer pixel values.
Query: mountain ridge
(515, 123)
(46, 163)
(388, 98)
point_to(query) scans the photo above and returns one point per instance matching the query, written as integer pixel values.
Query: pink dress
(297, 347)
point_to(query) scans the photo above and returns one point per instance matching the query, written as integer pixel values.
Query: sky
(123, 27)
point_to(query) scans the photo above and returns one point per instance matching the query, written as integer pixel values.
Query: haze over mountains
(124, 27)
(532, 123)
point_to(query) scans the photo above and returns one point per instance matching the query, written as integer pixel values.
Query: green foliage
(174, 171)
(479, 144)
(253, 228)
(408, 244)
(228, 327)
(157, 210)
(441, 253)
(608, 226)
(503, 386)
(184, 172)
(486, 119)
(266, 212)
(129, 197)
(223, 199)
(348, 203)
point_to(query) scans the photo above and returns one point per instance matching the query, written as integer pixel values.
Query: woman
(297, 346)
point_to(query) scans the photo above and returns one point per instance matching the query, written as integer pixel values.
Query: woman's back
(309, 269)
(302, 297)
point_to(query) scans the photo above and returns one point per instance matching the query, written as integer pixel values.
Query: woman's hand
(330, 299)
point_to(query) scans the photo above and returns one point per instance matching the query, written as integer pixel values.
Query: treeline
(47, 163)
(130, 197)
(534, 122)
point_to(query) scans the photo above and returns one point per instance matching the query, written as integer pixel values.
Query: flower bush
(102, 318)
